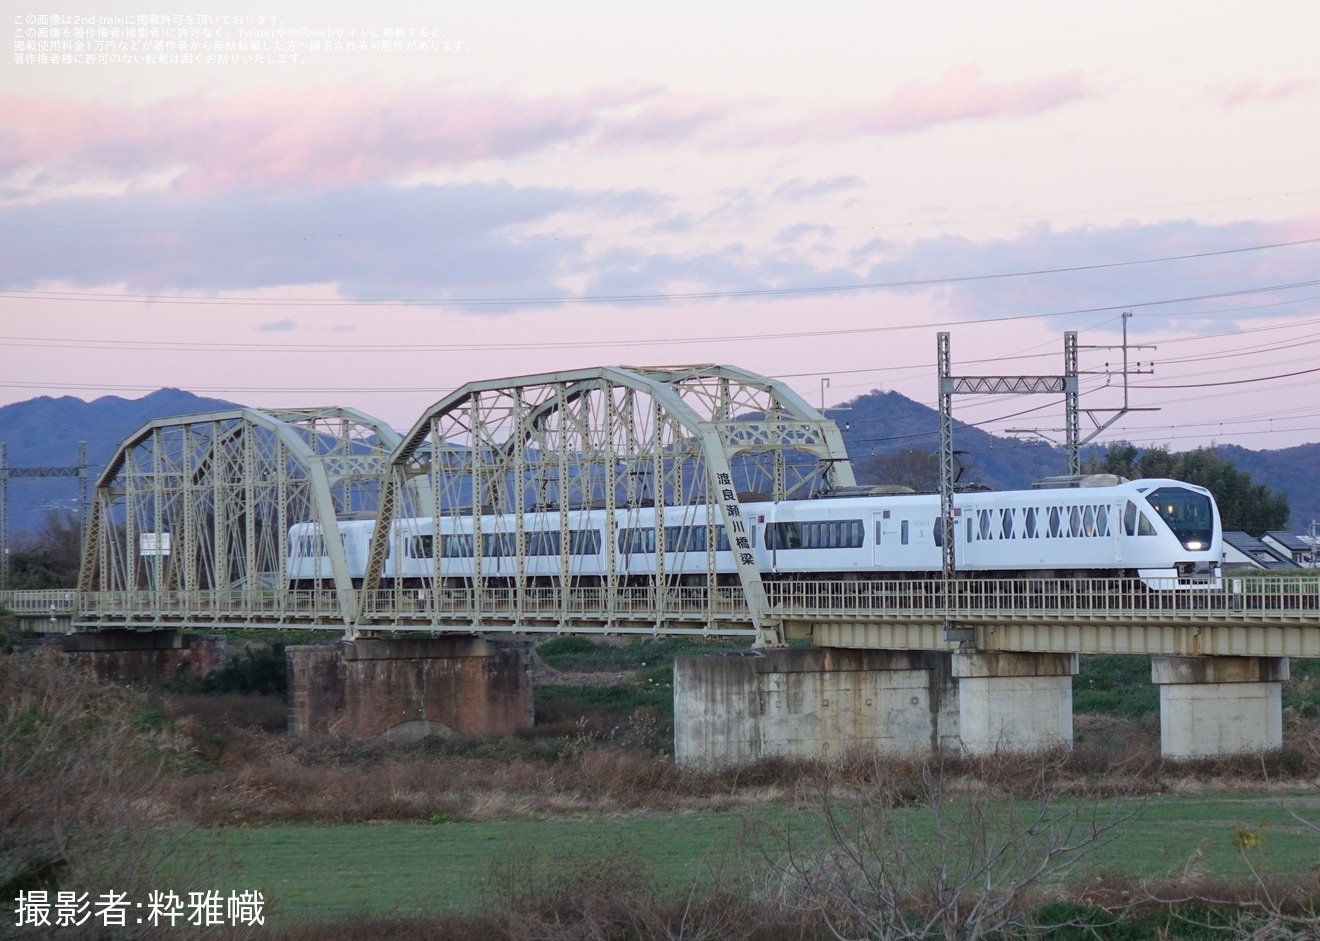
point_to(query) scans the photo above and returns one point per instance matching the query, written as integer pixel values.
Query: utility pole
(950, 386)
(1073, 440)
(1074, 446)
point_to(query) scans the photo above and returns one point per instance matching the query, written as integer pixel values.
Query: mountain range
(45, 431)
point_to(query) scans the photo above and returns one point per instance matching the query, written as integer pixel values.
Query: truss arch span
(550, 494)
(205, 503)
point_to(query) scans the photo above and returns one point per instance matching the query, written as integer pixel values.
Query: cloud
(799, 189)
(370, 241)
(278, 326)
(1104, 283)
(336, 136)
(325, 136)
(667, 118)
(1254, 91)
(960, 94)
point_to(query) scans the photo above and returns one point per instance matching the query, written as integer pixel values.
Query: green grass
(1115, 686)
(321, 873)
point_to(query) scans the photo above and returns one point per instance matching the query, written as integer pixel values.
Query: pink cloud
(319, 136)
(960, 94)
(667, 118)
(1254, 91)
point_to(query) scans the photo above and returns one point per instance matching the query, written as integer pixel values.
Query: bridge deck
(1271, 616)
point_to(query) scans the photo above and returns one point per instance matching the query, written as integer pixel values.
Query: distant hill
(44, 432)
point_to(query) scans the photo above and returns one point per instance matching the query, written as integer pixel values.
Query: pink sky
(250, 231)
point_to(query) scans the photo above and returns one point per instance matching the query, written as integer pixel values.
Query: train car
(309, 557)
(1153, 529)
(1165, 532)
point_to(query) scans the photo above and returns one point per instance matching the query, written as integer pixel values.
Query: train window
(1102, 521)
(1006, 524)
(1130, 518)
(1144, 526)
(312, 546)
(938, 529)
(456, 546)
(1030, 522)
(816, 534)
(877, 530)
(1074, 521)
(499, 544)
(1188, 514)
(1088, 521)
(984, 516)
(1055, 522)
(420, 547)
(637, 540)
(543, 542)
(969, 528)
(904, 537)
(584, 542)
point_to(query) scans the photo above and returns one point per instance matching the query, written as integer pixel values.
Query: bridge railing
(554, 602)
(973, 597)
(1233, 599)
(222, 604)
(60, 600)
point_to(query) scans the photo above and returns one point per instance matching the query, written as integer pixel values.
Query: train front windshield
(1188, 514)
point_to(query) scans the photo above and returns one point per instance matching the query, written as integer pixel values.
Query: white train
(1163, 531)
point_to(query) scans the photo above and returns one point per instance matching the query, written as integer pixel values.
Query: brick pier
(409, 689)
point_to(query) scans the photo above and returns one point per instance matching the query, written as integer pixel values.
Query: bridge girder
(675, 444)
(205, 501)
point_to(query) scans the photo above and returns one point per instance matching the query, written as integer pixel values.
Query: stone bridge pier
(410, 688)
(127, 656)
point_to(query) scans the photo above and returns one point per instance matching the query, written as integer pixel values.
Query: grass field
(323, 873)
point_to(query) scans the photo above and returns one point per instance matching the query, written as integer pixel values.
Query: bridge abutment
(1219, 705)
(127, 656)
(817, 703)
(1015, 701)
(409, 689)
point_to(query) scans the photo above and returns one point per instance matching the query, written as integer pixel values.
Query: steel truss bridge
(190, 524)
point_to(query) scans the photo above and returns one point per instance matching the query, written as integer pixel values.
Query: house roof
(1258, 552)
(1289, 541)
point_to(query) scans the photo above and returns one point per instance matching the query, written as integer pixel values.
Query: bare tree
(934, 856)
(49, 557)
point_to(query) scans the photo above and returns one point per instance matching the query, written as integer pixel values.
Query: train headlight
(1195, 544)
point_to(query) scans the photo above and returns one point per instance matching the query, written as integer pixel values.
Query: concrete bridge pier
(411, 688)
(1015, 701)
(817, 703)
(1219, 705)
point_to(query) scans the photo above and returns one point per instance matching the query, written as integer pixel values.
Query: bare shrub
(81, 766)
(967, 856)
(546, 897)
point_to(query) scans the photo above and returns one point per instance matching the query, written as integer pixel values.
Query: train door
(886, 529)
